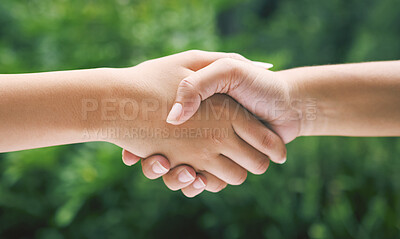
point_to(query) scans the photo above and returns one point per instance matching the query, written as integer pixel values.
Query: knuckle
(267, 141)
(194, 53)
(225, 62)
(239, 179)
(236, 56)
(231, 67)
(189, 84)
(262, 166)
(206, 155)
(216, 138)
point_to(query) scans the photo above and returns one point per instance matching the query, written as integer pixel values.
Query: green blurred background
(330, 187)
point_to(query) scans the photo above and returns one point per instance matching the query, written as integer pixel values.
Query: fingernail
(198, 184)
(158, 168)
(263, 64)
(125, 162)
(175, 113)
(185, 176)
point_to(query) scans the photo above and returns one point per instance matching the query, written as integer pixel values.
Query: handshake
(199, 119)
(208, 139)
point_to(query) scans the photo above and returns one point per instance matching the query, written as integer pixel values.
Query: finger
(226, 170)
(196, 187)
(220, 76)
(246, 156)
(197, 59)
(264, 65)
(214, 184)
(155, 166)
(179, 177)
(256, 134)
(129, 158)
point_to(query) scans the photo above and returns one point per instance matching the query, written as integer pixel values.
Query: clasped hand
(201, 120)
(231, 141)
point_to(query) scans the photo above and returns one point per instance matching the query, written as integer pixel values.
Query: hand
(209, 155)
(156, 166)
(264, 93)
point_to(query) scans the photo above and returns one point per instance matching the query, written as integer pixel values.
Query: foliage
(331, 187)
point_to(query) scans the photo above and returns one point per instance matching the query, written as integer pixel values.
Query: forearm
(45, 109)
(352, 100)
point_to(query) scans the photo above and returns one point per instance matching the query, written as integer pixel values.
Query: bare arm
(127, 107)
(45, 109)
(360, 99)
(352, 99)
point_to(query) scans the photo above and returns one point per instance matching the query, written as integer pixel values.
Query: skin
(346, 100)
(349, 100)
(113, 105)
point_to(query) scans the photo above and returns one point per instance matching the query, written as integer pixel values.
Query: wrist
(307, 105)
(100, 104)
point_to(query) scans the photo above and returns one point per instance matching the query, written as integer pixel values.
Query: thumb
(219, 77)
